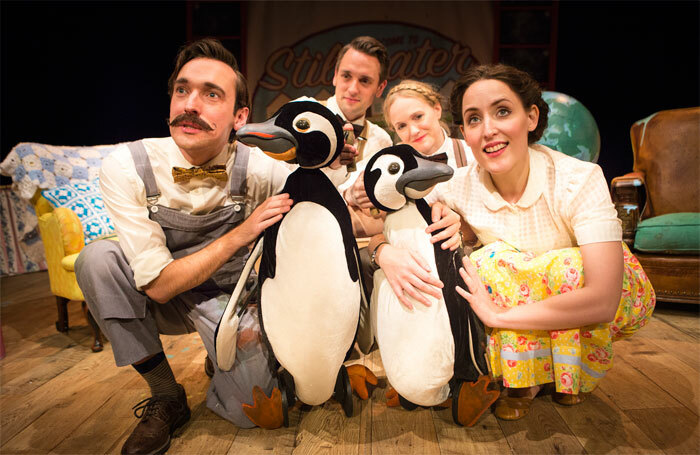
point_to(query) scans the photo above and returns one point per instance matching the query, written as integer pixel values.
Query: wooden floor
(59, 397)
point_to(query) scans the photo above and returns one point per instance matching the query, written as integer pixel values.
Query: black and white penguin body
(426, 349)
(309, 279)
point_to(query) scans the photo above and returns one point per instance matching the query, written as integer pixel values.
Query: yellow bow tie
(182, 175)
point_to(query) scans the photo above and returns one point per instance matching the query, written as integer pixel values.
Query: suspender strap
(237, 181)
(144, 170)
(459, 155)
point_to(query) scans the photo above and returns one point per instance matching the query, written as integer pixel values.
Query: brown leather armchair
(665, 180)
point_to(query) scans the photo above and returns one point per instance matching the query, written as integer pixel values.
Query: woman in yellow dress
(554, 282)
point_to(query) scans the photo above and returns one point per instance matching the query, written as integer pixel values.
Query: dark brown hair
(370, 46)
(527, 89)
(213, 49)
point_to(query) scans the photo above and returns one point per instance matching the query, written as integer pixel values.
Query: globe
(571, 128)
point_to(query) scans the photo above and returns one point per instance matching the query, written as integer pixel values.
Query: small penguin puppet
(309, 281)
(430, 352)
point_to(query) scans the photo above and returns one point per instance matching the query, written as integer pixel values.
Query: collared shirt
(377, 139)
(448, 148)
(566, 203)
(124, 194)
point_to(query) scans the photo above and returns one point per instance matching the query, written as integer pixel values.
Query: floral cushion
(85, 200)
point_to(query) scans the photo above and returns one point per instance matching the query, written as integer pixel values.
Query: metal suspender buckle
(238, 202)
(151, 201)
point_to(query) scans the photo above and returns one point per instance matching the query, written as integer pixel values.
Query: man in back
(359, 80)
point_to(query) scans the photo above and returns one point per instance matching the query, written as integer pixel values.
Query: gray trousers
(133, 322)
(365, 335)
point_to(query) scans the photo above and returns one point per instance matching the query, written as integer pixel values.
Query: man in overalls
(185, 208)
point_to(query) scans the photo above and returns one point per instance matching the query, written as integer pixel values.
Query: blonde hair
(415, 89)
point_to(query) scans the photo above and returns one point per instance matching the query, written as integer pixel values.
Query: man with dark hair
(185, 208)
(211, 48)
(359, 80)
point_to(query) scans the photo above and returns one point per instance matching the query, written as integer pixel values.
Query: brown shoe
(512, 408)
(160, 417)
(569, 399)
(208, 367)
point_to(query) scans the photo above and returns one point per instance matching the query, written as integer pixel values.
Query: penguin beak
(274, 141)
(418, 182)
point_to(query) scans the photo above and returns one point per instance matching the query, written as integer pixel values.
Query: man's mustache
(189, 117)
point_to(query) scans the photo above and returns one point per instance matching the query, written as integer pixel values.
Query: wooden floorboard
(56, 396)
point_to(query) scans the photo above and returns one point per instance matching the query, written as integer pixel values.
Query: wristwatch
(373, 257)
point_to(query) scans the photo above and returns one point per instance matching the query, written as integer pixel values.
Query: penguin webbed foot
(471, 399)
(273, 411)
(360, 376)
(394, 399)
(266, 412)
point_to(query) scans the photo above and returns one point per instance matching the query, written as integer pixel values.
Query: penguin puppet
(430, 352)
(309, 280)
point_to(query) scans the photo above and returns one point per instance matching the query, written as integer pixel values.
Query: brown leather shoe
(160, 417)
(569, 399)
(512, 408)
(208, 367)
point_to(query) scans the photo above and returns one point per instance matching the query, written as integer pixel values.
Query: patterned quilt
(35, 166)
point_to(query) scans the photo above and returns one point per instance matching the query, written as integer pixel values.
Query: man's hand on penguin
(264, 216)
(347, 155)
(444, 217)
(356, 194)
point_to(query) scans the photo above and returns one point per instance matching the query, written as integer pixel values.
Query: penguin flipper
(226, 335)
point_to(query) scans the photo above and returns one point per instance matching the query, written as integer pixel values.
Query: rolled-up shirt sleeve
(591, 210)
(141, 239)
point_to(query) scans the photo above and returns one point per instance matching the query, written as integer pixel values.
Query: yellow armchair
(62, 235)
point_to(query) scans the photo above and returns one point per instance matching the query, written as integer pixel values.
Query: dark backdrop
(87, 74)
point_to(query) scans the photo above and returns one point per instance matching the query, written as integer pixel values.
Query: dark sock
(157, 373)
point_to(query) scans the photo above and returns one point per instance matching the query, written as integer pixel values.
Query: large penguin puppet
(309, 281)
(430, 352)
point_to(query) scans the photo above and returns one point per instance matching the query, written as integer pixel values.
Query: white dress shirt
(124, 194)
(566, 203)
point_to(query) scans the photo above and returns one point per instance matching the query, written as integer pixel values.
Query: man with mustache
(185, 208)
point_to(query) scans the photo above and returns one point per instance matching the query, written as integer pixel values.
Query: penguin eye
(394, 168)
(302, 125)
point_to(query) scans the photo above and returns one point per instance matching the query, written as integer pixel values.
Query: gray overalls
(132, 321)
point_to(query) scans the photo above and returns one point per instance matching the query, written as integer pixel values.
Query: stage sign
(307, 67)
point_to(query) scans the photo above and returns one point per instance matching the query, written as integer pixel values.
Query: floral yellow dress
(576, 359)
